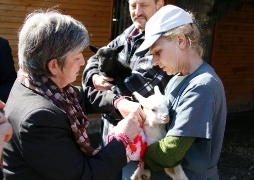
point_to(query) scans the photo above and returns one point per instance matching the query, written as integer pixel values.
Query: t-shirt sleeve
(167, 153)
(193, 113)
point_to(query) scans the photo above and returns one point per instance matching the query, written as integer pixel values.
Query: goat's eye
(153, 110)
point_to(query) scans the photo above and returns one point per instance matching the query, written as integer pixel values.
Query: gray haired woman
(47, 113)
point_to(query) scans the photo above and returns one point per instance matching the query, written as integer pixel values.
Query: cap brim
(149, 41)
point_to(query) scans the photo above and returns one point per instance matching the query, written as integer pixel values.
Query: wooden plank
(235, 27)
(235, 43)
(233, 86)
(234, 39)
(237, 100)
(235, 70)
(95, 3)
(90, 116)
(233, 90)
(11, 19)
(232, 54)
(86, 13)
(84, 19)
(232, 73)
(63, 6)
(18, 13)
(97, 30)
(99, 42)
(239, 16)
(6, 30)
(245, 83)
(230, 62)
(239, 92)
(244, 13)
(234, 78)
(11, 14)
(233, 34)
(91, 29)
(248, 51)
(232, 47)
(75, 2)
(235, 61)
(238, 56)
(11, 36)
(242, 20)
(239, 96)
(234, 23)
(9, 25)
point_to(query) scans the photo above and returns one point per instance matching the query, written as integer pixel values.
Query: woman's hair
(192, 34)
(47, 35)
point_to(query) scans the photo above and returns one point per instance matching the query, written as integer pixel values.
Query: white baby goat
(156, 109)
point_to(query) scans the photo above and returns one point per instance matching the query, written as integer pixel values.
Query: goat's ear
(119, 49)
(157, 90)
(93, 49)
(141, 99)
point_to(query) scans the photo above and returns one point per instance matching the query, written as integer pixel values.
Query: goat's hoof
(144, 177)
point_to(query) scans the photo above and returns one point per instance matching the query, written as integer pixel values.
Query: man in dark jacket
(144, 76)
(7, 70)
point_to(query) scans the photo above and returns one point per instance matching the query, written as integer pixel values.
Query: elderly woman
(196, 97)
(47, 112)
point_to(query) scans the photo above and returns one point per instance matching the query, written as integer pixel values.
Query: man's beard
(138, 24)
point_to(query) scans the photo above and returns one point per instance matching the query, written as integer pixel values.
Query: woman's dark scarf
(65, 99)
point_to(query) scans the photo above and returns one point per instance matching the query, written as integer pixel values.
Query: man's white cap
(166, 18)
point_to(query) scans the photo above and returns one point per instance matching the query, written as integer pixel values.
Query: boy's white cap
(166, 18)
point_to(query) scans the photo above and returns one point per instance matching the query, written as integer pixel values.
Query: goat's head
(155, 107)
(106, 56)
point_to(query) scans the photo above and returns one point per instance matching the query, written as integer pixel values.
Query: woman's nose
(155, 61)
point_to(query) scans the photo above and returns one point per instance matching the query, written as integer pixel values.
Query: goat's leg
(176, 173)
(141, 173)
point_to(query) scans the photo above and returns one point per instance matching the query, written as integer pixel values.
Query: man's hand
(2, 104)
(101, 82)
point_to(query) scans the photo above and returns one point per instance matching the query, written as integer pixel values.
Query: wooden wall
(233, 46)
(233, 58)
(169, 2)
(95, 15)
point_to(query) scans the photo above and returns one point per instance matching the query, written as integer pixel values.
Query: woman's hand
(5, 128)
(126, 107)
(129, 126)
